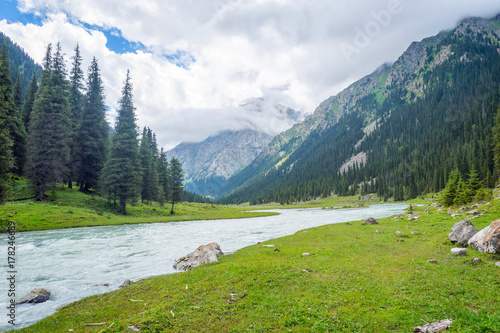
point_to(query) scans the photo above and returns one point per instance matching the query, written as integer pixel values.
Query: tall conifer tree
(176, 179)
(77, 101)
(13, 116)
(48, 149)
(6, 159)
(122, 178)
(149, 190)
(29, 99)
(92, 133)
(163, 178)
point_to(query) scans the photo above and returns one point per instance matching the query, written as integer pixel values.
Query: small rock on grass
(432, 261)
(305, 254)
(459, 251)
(439, 326)
(415, 233)
(378, 231)
(134, 328)
(125, 283)
(498, 264)
(476, 260)
(370, 220)
(399, 233)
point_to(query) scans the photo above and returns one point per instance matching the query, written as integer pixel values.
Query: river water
(70, 262)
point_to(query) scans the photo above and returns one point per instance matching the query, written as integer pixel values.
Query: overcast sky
(193, 62)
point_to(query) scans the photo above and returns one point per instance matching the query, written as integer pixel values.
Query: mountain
(398, 131)
(20, 62)
(208, 164)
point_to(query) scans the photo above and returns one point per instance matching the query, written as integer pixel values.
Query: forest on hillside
(419, 140)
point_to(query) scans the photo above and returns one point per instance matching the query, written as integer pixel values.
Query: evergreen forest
(53, 132)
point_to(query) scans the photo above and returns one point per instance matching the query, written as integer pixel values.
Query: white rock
(305, 254)
(462, 231)
(204, 254)
(497, 264)
(488, 239)
(459, 251)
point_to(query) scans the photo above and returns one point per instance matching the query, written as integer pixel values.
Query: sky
(193, 62)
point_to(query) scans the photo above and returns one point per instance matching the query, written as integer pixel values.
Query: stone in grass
(458, 251)
(497, 264)
(204, 254)
(415, 233)
(488, 239)
(125, 284)
(432, 261)
(305, 254)
(370, 220)
(462, 232)
(35, 296)
(477, 260)
(378, 231)
(439, 326)
(399, 233)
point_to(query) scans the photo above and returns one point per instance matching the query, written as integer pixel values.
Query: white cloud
(288, 51)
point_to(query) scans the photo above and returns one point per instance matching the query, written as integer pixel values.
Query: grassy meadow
(354, 280)
(70, 208)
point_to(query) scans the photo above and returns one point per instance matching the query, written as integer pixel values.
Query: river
(70, 262)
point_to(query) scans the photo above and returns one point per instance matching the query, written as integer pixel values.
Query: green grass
(69, 208)
(355, 280)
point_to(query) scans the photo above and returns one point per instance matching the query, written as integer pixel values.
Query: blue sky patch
(180, 58)
(9, 12)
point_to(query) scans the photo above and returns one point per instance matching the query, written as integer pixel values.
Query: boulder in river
(488, 239)
(35, 296)
(204, 254)
(370, 220)
(462, 231)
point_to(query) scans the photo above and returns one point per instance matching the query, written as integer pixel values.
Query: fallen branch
(94, 324)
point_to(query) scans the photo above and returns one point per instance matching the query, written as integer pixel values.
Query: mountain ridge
(404, 82)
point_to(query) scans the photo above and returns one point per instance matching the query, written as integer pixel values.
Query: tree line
(57, 133)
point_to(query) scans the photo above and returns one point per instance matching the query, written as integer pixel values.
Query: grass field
(355, 280)
(69, 208)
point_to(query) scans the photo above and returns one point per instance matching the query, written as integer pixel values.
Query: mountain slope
(434, 108)
(20, 62)
(208, 164)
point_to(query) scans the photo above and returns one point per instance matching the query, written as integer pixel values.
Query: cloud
(201, 59)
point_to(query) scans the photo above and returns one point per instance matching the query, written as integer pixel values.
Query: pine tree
(13, 117)
(474, 184)
(6, 159)
(17, 95)
(29, 99)
(48, 149)
(451, 189)
(176, 179)
(122, 177)
(92, 133)
(496, 142)
(77, 102)
(163, 178)
(149, 190)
